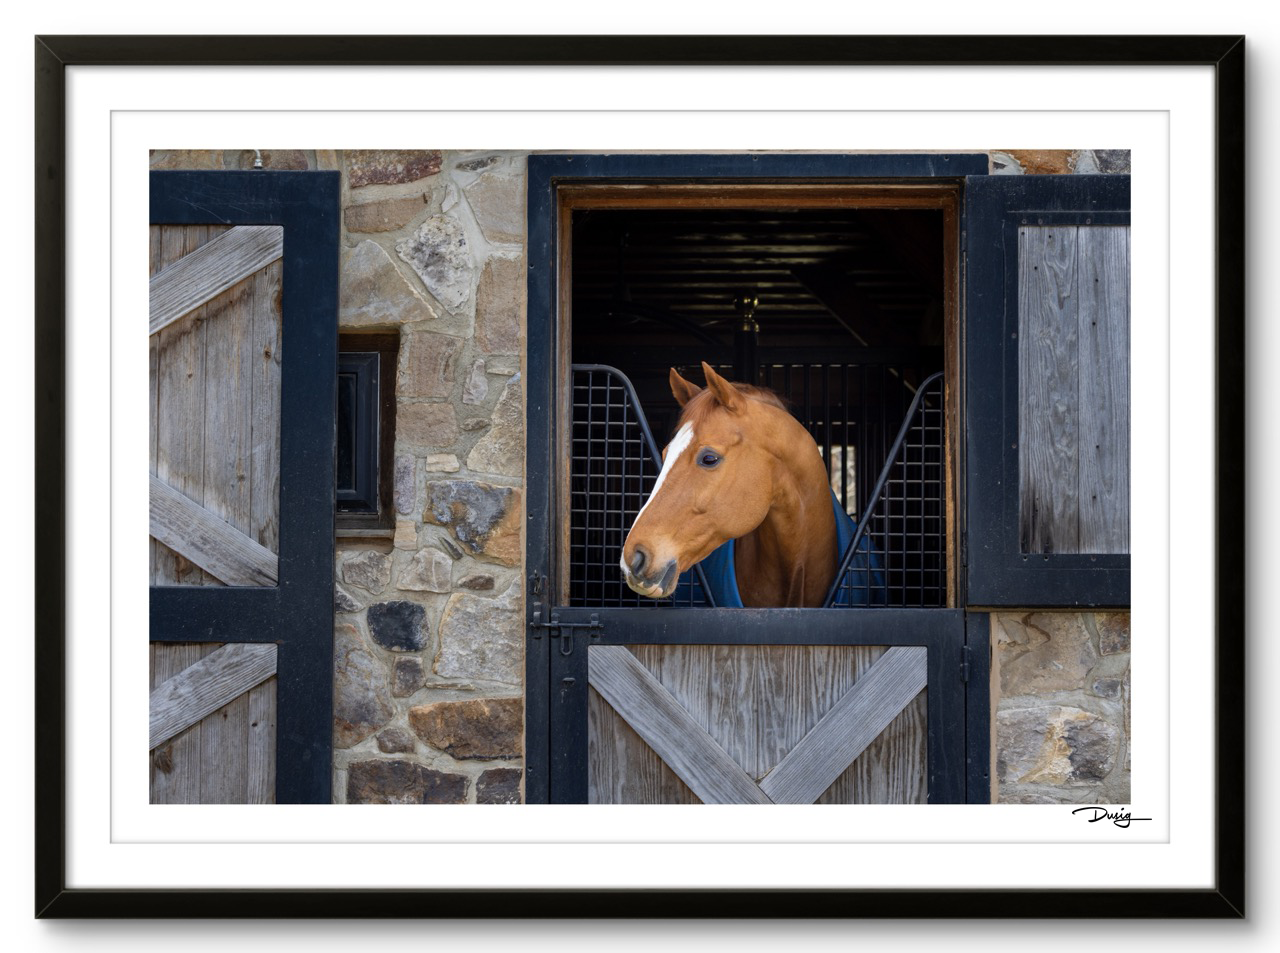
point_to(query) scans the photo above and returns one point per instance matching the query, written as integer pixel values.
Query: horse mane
(700, 405)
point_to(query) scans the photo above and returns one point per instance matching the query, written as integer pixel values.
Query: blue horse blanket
(718, 568)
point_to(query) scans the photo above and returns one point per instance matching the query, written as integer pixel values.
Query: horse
(740, 467)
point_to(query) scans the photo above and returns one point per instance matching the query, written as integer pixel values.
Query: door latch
(563, 631)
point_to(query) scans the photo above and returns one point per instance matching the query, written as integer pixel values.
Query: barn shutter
(244, 282)
(1047, 390)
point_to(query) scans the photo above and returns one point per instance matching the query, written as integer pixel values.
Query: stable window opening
(841, 300)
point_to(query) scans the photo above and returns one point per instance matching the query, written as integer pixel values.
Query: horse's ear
(724, 392)
(683, 390)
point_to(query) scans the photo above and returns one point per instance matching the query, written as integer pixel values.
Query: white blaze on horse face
(678, 445)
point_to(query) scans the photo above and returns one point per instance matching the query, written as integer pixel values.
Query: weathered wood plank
(156, 235)
(223, 757)
(665, 726)
(1048, 388)
(218, 547)
(209, 684)
(710, 682)
(1103, 254)
(776, 695)
(846, 730)
(153, 365)
(264, 446)
(224, 766)
(261, 782)
(212, 410)
(827, 679)
(804, 682)
(207, 272)
(731, 723)
(228, 406)
(646, 778)
(175, 765)
(638, 774)
(179, 407)
(813, 679)
(755, 701)
(894, 767)
(621, 768)
(227, 757)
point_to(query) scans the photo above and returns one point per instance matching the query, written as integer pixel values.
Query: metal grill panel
(853, 412)
(615, 463)
(884, 452)
(904, 532)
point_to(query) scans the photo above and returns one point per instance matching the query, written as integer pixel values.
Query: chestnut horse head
(739, 467)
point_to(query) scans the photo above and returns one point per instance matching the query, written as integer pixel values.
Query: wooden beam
(655, 715)
(203, 688)
(211, 269)
(755, 196)
(212, 544)
(844, 732)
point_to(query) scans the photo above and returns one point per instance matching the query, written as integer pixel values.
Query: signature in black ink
(1118, 818)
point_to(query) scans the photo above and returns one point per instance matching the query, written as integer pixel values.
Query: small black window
(357, 463)
(366, 431)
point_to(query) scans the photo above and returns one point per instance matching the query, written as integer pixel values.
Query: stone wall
(428, 654)
(1061, 680)
(429, 662)
(1059, 161)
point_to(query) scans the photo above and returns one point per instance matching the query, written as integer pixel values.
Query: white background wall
(589, 16)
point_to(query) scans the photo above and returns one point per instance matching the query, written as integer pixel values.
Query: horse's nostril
(638, 561)
(668, 581)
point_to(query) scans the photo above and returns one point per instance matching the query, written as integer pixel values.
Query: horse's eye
(708, 459)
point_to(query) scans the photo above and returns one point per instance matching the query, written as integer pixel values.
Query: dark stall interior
(840, 310)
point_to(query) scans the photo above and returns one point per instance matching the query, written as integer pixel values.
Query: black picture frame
(53, 54)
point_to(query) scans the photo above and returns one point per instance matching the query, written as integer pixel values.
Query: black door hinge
(964, 663)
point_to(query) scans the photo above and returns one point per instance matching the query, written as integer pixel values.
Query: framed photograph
(685, 467)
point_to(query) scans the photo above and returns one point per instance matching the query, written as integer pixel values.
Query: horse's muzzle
(653, 585)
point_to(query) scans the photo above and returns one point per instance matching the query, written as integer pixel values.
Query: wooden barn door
(784, 706)
(640, 704)
(757, 724)
(243, 354)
